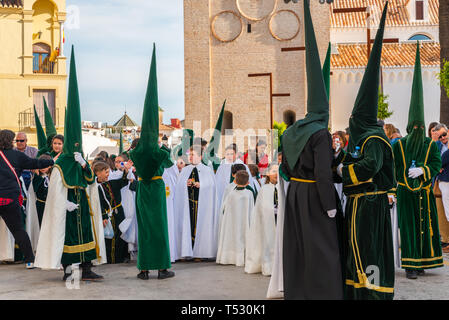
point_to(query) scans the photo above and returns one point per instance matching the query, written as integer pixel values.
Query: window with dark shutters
(419, 10)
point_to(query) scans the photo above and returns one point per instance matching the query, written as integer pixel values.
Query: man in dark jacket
(10, 190)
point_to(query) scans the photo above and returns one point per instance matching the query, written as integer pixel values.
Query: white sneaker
(30, 265)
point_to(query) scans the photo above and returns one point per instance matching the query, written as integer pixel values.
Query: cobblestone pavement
(201, 280)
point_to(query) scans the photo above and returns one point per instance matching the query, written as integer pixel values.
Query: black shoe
(66, 274)
(411, 274)
(91, 276)
(164, 274)
(421, 272)
(143, 275)
(88, 274)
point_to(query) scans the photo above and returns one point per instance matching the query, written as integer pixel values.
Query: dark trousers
(12, 217)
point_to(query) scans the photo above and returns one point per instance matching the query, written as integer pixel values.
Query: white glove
(391, 199)
(79, 159)
(340, 170)
(415, 172)
(70, 206)
(332, 213)
(131, 175)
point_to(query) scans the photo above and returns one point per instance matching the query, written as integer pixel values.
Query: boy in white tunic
(262, 233)
(234, 225)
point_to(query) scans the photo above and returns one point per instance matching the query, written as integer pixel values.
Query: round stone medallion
(227, 26)
(284, 25)
(256, 10)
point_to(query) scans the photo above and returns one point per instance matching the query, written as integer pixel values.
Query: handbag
(108, 230)
(436, 189)
(15, 174)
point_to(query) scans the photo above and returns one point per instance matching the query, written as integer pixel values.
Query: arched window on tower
(41, 58)
(227, 122)
(289, 117)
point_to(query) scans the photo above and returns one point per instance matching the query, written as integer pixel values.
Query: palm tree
(444, 55)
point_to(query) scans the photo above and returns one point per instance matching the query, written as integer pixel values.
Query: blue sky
(113, 47)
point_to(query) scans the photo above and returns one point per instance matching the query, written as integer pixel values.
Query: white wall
(397, 84)
(358, 35)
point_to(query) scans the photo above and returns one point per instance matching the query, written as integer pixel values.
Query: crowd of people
(330, 217)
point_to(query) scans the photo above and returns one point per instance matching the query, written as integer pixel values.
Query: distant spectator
(431, 126)
(22, 146)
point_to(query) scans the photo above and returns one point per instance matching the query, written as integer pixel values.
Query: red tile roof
(393, 55)
(398, 14)
(11, 3)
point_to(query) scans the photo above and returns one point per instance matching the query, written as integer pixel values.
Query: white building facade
(407, 22)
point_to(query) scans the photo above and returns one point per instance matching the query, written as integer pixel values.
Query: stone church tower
(250, 52)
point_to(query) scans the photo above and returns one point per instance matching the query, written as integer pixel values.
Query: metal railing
(27, 121)
(46, 66)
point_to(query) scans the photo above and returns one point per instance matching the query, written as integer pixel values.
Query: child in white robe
(234, 225)
(262, 233)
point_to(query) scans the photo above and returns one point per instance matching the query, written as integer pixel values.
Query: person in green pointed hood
(50, 128)
(150, 161)
(72, 227)
(186, 142)
(41, 137)
(417, 161)
(210, 157)
(311, 202)
(367, 173)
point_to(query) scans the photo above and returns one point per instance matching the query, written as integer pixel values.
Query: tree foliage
(383, 111)
(444, 76)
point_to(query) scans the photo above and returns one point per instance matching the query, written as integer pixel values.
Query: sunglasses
(20, 140)
(443, 135)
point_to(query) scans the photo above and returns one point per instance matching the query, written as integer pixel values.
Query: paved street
(200, 281)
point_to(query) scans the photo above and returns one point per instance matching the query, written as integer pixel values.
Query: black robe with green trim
(311, 252)
(417, 211)
(369, 258)
(116, 248)
(79, 244)
(40, 187)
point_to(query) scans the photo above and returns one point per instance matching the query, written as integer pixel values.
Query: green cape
(363, 121)
(317, 118)
(71, 170)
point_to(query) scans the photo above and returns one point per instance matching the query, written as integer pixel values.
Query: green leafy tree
(280, 127)
(383, 111)
(444, 76)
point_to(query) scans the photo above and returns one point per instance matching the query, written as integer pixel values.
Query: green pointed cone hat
(363, 121)
(416, 111)
(120, 150)
(147, 156)
(41, 137)
(71, 170)
(72, 131)
(416, 129)
(186, 142)
(50, 128)
(327, 71)
(214, 143)
(317, 118)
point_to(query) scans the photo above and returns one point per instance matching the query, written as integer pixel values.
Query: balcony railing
(26, 119)
(46, 66)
